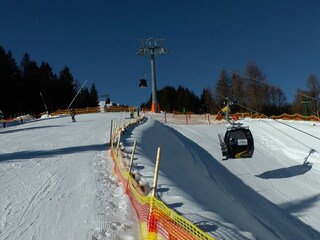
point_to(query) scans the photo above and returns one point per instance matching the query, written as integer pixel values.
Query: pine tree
(66, 88)
(313, 85)
(222, 89)
(94, 96)
(207, 102)
(301, 103)
(83, 99)
(48, 89)
(32, 102)
(306, 102)
(238, 93)
(9, 83)
(256, 87)
(4, 81)
(21, 86)
(180, 99)
(167, 98)
(277, 101)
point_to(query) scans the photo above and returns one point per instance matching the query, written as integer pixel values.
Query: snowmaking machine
(238, 141)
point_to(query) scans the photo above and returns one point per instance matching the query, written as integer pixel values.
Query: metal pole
(77, 94)
(154, 106)
(45, 106)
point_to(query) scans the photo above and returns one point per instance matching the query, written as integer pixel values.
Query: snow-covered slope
(57, 182)
(273, 195)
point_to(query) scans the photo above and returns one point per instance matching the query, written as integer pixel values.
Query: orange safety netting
(283, 116)
(157, 221)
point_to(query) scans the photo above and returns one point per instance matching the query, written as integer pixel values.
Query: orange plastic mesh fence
(157, 221)
(283, 116)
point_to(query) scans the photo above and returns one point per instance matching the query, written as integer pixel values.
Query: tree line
(250, 92)
(28, 88)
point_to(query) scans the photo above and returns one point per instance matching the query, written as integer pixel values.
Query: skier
(72, 114)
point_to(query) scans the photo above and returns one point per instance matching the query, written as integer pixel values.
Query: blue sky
(98, 41)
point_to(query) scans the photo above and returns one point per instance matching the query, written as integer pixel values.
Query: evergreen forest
(250, 92)
(28, 88)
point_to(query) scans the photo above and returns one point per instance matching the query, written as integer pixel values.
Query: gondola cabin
(237, 143)
(143, 83)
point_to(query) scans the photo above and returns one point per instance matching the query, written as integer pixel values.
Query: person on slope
(72, 114)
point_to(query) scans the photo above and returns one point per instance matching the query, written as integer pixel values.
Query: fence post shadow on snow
(156, 219)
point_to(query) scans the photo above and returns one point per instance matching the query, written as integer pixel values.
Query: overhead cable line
(301, 94)
(251, 78)
(254, 111)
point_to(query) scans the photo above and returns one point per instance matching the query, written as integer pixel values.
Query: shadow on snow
(51, 153)
(8, 131)
(218, 190)
(286, 172)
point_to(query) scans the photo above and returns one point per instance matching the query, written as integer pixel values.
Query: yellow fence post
(118, 144)
(152, 222)
(156, 172)
(111, 131)
(131, 161)
(114, 128)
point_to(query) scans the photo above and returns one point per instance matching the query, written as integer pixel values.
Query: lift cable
(254, 111)
(202, 62)
(288, 90)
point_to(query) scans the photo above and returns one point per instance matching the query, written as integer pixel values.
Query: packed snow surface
(273, 195)
(57, 181)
